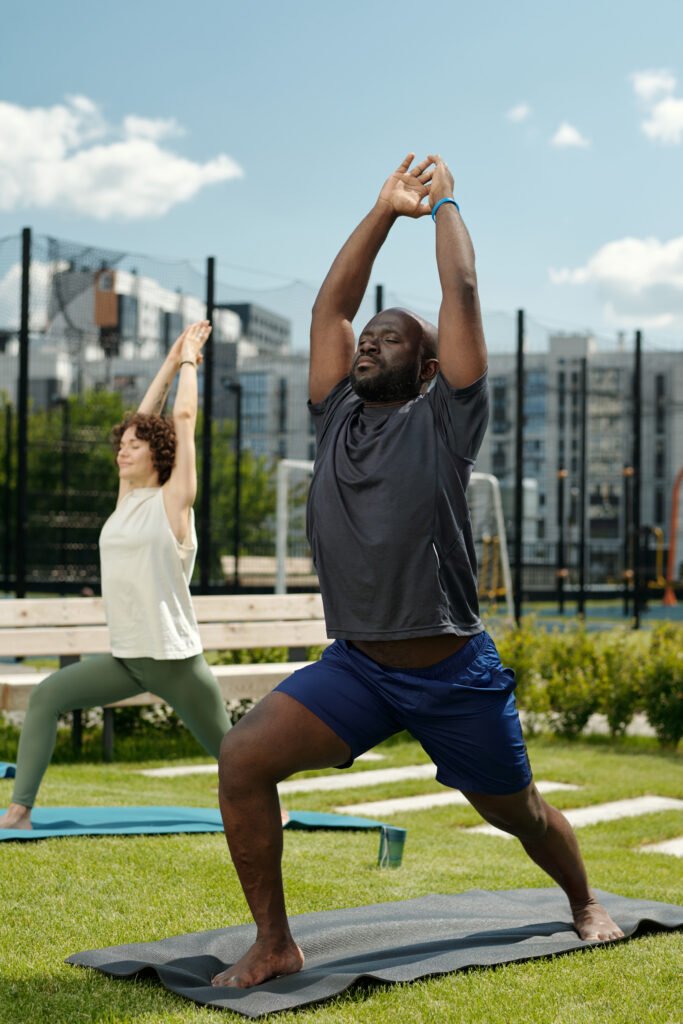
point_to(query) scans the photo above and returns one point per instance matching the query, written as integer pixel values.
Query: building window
(535, 400)
(498, 460)
(499, 420)
(282, 405)
(660, 403)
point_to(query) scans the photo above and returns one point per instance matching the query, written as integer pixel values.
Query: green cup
(391, 843)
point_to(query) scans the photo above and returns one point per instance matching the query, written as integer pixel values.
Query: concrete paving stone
(674, 847)
(599, 813)
(424, 801)
(211, 769)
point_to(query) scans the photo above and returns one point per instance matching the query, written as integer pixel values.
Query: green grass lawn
(61, 896)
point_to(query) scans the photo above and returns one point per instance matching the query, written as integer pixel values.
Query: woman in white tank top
(148, 548)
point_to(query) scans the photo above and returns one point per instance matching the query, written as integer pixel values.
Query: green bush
(247, 656)
(619, 680)
(518, 650)
(663, 685)
(572, 699)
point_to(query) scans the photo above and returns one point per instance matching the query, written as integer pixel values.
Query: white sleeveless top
(145, 580)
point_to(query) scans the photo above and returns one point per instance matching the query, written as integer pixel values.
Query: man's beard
(399, 384)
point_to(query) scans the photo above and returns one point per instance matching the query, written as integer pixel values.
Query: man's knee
(248, 755)
(235, 761)
(522, 815)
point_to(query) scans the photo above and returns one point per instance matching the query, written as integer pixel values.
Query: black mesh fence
(99, 324)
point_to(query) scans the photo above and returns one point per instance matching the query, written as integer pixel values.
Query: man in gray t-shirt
(388, 521)
(399, 419)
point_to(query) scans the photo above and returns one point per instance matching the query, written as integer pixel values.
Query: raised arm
(180, 489)
(332, 338)
(462, 348)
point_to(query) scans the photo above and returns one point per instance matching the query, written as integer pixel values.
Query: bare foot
(594, 924)
(284, 815)
(16, 816)
(259, 964)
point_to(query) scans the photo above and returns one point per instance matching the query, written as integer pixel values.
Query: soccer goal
(293, 561)
(488, 529)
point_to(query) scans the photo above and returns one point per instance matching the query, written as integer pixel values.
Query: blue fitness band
(446, 199)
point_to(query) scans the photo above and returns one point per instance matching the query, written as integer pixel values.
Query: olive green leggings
(187, 685)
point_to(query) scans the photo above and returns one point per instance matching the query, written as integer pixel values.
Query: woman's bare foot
(594, 924)
(16, 816)
(259, 964)
(284, 816)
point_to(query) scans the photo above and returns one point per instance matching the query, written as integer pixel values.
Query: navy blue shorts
(462, 710)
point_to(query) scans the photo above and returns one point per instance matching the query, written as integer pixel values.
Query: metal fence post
(581, 603)
(22, 417)
(205, 511)
(637, 480)
(519, 469)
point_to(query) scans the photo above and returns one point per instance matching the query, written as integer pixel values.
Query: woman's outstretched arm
(180, 489)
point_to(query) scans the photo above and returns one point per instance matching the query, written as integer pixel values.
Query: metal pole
(205, 510)
(379, 298)
(22, 427)
(238, 479)
(65, 481)
(8, 496)
(637, 479)
(581, 605)
(628, 534)
(519, 469)
(561, 553)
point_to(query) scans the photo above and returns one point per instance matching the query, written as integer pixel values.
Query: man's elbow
(468, 287)
(462, 292)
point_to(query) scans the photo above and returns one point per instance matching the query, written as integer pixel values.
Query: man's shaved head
(396, 356)
(428, 332)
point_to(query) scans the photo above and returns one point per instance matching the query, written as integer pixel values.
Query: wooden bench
(69, 628)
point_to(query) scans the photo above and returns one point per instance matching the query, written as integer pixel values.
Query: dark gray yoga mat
(387, 942)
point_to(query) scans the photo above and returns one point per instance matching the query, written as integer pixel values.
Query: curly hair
(160, 434)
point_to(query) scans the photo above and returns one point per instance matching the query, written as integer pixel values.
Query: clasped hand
(412, 192)
(189, 345)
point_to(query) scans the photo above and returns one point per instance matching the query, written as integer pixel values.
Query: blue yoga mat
(50, 822)
(7, 770)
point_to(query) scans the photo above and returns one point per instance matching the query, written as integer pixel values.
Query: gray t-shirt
(387, 518)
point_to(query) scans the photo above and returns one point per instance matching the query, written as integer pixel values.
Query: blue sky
(261, 132)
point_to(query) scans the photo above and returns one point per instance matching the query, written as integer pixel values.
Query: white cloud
(640, 280)
(665, 123)
(151, 128)
(647, 85)
(568, 137)
(664, 119)
(519, 113)
(67, 156)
